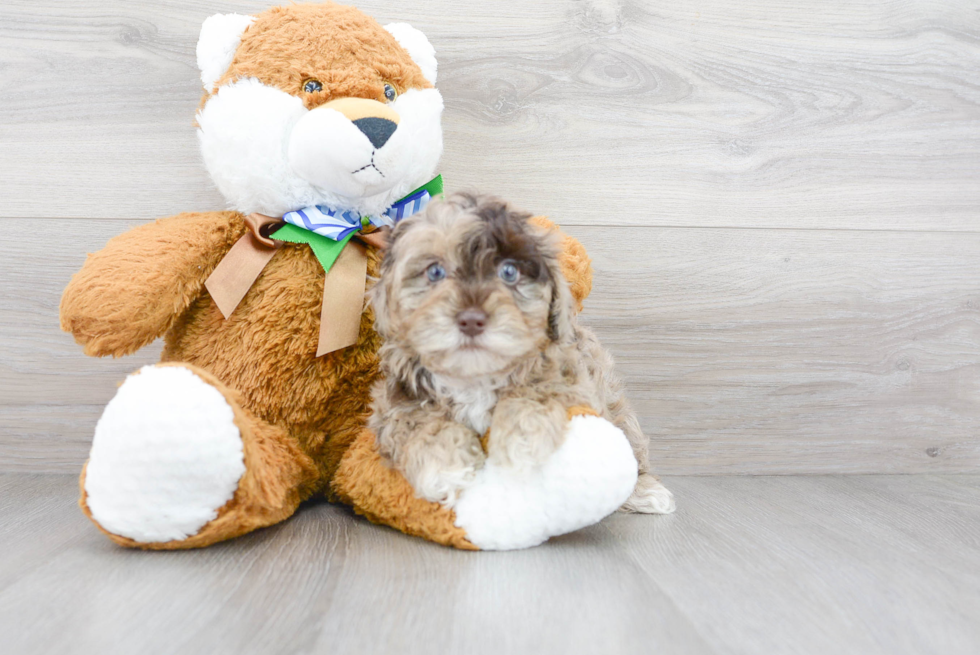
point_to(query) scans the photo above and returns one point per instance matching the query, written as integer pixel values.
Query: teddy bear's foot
(166, 456)
(170, 460)
(590, 475)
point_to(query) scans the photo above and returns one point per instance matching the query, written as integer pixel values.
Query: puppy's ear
(380, 293)
(378, 297)
(561, 312)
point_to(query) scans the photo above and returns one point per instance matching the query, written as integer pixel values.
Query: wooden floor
(748, 565)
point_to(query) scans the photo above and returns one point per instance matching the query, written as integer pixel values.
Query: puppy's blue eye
(435, 272)
(312, 86)
(509, 272)
(390, 93)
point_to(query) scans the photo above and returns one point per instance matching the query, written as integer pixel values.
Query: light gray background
(781, 199)
(781, 203)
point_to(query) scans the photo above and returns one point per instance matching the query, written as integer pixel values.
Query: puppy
(481, 334)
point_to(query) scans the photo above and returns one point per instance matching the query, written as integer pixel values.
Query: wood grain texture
(849, 565)
(781, 202)
(744, 351)
(815, 565)
(614, 112)
(795, 351)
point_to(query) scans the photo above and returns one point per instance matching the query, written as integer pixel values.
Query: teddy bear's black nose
(377, 130)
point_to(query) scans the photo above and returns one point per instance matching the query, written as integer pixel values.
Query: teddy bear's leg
(379, 492)
(590, 475)
(176, 462)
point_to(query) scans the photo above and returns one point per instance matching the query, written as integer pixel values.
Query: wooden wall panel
(781, 201)
(760, 114)
(748, 351)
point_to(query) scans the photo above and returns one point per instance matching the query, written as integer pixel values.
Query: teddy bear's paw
(588, 477)
(650, 497)
(166, 457)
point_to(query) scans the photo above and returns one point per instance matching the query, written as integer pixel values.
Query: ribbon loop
(324, 221)
(261, 226)
(338, 225)
(328, 233)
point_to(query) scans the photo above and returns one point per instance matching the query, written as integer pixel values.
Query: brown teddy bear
(318, 114)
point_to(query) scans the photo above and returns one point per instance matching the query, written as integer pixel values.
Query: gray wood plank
(567, 596)
(842, 115)
(40, 518)
(858, 564)
(747, 351)
(328, 582)
(806, 565)
(782, 351)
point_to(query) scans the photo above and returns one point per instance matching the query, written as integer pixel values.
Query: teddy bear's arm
(129, 293)
(574, 260)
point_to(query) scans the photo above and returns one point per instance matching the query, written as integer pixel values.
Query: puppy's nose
(377, 130)
(472, 321)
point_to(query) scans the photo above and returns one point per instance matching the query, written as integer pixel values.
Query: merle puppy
(481, 335)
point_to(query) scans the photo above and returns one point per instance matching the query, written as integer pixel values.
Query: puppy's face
(470, 288)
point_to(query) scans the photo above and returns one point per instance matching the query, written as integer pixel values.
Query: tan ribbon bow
(343, 285)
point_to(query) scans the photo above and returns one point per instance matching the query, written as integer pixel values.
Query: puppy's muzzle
(472, 322)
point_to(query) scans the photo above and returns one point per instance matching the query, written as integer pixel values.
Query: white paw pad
(585, 480)
(166, 457)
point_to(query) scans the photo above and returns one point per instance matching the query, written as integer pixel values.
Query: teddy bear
(321, 128)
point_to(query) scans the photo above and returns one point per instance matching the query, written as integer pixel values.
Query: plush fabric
(350, 54)
(591, 474)
(298, 414)
(575, 262)
(299, 418)
(168, 440)
(278, 476)
(376, 491)
(220, 38)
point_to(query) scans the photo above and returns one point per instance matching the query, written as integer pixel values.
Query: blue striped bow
(338, 225)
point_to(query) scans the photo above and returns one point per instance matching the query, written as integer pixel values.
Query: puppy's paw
(442, 485)
(440, 468)
(649, 497)
(525, 433)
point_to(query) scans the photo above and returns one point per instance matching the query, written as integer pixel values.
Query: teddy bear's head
(317, 104)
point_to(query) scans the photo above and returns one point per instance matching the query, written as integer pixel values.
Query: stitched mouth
(371, 165)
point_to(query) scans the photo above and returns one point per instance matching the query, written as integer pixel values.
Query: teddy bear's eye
(390, 92)
(312, 86)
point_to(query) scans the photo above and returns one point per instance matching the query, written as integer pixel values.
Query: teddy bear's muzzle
(377, 121)
(334, 146)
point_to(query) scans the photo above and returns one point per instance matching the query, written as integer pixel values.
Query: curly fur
(443, 389)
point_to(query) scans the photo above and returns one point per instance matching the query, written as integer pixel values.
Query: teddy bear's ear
(418, 47)
(220, 36)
